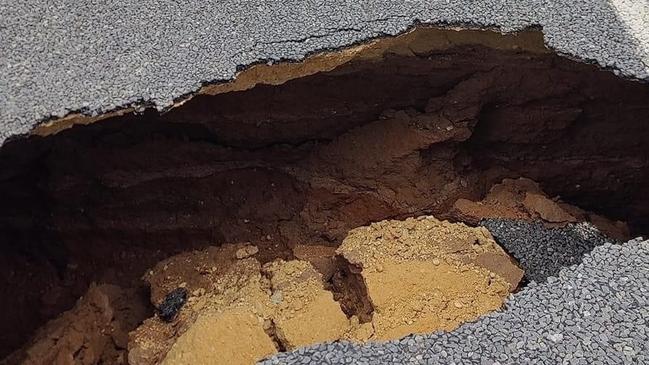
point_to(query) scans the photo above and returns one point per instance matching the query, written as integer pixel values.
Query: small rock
(556, 337)
(172, 303)
(277, 297)
(268, 324)
(246, 251)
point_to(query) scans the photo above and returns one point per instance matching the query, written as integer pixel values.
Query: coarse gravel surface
(61, 56)
(592, 313)
(543, 252)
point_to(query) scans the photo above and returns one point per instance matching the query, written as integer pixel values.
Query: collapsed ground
(385, 281)
(406, 133)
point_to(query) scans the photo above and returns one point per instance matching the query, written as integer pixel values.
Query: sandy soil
(424, 274)
(279, 300)
(233, 336)
(417, 275)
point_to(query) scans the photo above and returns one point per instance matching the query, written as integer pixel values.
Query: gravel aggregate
(543, 252)
(61, 56)
(596, 312)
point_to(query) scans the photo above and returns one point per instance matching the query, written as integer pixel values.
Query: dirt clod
(283, 297)
(424, 275)
(234, 337)
(246, 251)
(307, 314)
(547, 209)
(429, 240)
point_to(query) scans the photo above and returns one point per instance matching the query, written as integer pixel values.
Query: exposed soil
(95, 331)
(423, 275)
(523, 199)
(385, 281)
(283, 300)
(231, 337)
(419, 275)
(423, 122)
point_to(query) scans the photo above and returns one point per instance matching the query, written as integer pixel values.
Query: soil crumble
(247, 301)
(523, 199)
(234, 336)
(418, 275)
(424, 275)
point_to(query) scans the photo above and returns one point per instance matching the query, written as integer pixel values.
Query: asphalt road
(61, 56)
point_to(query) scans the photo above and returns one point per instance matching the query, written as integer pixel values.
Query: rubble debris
(399, 277)
(307, 313)
(224, 283)
(591, 313)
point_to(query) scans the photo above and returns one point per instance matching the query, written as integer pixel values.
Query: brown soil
(523, 199)
(305, 313)
(420, 40)
(421, 297)
(216, 280)
(233, 336)
(404, 130)
(427, 239)
(281, 298)
(420, 275)
(95, 331)
(424, 275)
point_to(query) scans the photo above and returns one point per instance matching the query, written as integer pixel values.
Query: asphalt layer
(543, 252)
(596, 313)
(62, 56)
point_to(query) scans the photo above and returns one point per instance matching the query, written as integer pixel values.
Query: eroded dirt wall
(303, 162)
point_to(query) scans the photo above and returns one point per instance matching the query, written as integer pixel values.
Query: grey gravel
(542, 251)
(60, 56)
(596, 312)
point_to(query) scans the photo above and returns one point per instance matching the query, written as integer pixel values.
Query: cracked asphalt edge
(95, 57)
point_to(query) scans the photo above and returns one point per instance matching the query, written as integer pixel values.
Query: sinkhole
(301, 153)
